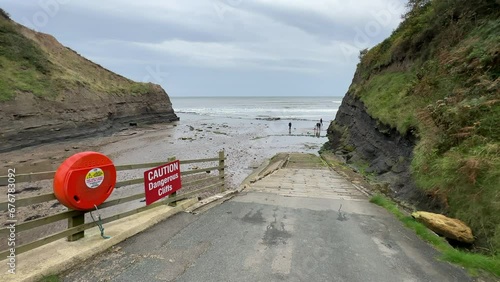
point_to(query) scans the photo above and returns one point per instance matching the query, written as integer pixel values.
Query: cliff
(423, 112)
(49, 92)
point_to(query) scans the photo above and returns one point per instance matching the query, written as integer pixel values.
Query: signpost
(162, 181)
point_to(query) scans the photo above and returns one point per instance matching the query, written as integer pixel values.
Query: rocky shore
(29, 120)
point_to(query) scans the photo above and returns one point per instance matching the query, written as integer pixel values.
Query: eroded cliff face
(372, 147)
(49, 92)
(376, 150)
(29, 120)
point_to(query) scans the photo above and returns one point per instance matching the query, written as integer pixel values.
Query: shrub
(4, 14)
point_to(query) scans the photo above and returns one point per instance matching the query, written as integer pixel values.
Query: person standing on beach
(289, 128)
(321, 121)
(318, 129)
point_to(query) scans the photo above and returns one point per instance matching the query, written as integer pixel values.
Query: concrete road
(302, 223)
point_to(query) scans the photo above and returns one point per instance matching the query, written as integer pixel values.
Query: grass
(51, 278)
(386, 97)
(46, 69)
(23, 66)
(472, 262)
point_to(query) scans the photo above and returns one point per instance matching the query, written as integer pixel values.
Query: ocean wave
(259, 117)
(282, 108)
(255, 110)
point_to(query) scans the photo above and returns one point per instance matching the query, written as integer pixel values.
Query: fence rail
(76, 219)
(38, 176)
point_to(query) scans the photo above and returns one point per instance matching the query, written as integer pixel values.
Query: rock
(378, 166)
(360, 137)
(399, 167)
(451, 228)
(269, 118)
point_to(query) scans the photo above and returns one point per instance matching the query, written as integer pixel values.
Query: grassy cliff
(437, 78)
(49, 92)
(37, 63)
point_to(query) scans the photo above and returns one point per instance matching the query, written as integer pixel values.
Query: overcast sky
(220, 47)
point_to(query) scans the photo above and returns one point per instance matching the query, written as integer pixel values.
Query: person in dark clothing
(321, 121)
(318, 129)
(289, 128)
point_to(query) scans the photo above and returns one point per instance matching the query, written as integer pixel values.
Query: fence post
(172, 204)
(74, 222)
(221, 170)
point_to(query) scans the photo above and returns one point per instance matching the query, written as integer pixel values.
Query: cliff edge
(49, 92)
(423, 112)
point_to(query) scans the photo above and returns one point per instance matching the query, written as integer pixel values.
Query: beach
(249, 130)
(247, 143)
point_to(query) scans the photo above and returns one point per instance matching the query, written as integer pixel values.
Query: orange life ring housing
(84, 180)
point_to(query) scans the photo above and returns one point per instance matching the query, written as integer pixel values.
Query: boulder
(448, 227)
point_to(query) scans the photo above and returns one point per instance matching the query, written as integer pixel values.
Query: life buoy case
(84, 180)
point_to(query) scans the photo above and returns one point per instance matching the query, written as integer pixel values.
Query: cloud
(317, 38)
(332, 19)
(208, 55)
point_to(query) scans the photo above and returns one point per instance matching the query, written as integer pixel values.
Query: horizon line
(252, 96)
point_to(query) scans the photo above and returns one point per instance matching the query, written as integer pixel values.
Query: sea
(260, 108)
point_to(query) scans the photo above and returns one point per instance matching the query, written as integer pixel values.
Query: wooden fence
(76, 219)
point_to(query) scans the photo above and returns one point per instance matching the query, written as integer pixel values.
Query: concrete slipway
(296, 220)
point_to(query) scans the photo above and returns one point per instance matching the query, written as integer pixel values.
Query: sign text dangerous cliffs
(162, 181)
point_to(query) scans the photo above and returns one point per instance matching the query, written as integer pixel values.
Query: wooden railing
(76, 219)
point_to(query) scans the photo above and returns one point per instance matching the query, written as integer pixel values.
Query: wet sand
(247, 143)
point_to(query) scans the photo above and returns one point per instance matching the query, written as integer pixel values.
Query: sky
(220, 47)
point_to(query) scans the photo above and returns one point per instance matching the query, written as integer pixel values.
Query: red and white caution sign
(162, 181)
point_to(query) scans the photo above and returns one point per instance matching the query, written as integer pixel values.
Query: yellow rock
(451, 228)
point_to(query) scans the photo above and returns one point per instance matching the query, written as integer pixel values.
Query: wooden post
(73, 222)
(172, 204)
(221, 170)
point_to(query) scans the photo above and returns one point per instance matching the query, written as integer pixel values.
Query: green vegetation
(23, 66)
(391, 104)
(362, 168)
(472, 262)
(4, 14)
(437, 77)
(37, 64)
(52, 278)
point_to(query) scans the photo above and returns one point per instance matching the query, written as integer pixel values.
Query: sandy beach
(247, 143)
